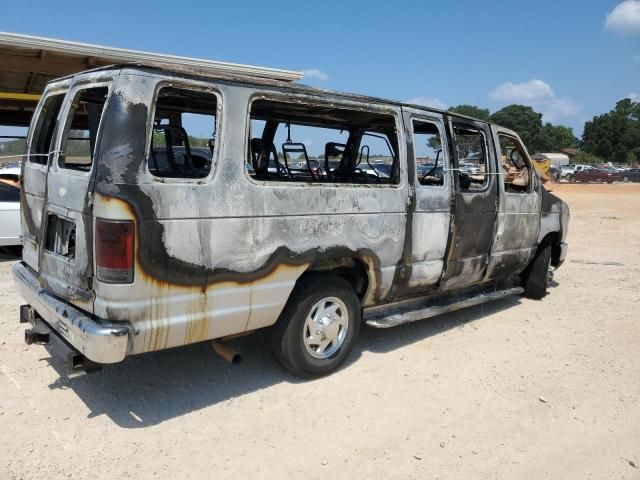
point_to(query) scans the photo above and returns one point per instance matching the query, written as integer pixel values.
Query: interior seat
(261, 152)
(299, 148)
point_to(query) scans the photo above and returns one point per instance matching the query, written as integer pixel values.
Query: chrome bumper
(98, 341)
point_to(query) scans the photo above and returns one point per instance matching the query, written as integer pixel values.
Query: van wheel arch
(354, 270)
(535, 276)
(551, 239)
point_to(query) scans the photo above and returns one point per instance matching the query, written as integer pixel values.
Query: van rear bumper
(99, 341)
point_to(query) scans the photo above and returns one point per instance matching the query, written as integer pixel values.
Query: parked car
(178, 161)
(10, 176)
(614, 168)
(123, 256)
(598, 175)
(380, 170)
(631, 175)
(568, 172)
(430, 173)
(470, 168)
(9, 214)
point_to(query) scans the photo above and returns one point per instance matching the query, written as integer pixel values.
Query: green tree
(13, 147)
(472, 111)
(555, 138)
(525, 121)
(614, 135)
(198, 141)
(584, 158)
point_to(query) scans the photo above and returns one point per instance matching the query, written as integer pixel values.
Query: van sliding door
(475, 203)
(430, 175)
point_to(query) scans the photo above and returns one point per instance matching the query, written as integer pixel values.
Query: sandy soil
(518, 389)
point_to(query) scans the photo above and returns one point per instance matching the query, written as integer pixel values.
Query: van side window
(515, 165)
(183, 138)
(79, 139)
(376, 156)
(472, 154)
(290, 142)
(427, 148)
(43, 130)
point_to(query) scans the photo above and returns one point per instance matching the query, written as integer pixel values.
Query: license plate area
(61, 236)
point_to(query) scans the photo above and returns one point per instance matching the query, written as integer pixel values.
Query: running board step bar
(400, 315)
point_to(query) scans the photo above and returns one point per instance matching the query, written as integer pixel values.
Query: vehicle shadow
(149, 389)
(10, 254)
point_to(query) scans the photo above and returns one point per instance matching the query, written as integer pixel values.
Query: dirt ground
(518, 389)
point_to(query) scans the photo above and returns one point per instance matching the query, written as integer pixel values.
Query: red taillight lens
(114, 250)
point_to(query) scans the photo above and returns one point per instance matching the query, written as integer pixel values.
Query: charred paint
(220, 255)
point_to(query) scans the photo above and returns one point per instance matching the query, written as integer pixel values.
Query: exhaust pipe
(226, 352)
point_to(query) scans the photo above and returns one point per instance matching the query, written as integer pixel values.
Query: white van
(162, 208)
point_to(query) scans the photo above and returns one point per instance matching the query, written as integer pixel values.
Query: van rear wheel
(318, 327)
(535, 278)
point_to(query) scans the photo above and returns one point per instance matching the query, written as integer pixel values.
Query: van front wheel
(535, 278)
(318, 327)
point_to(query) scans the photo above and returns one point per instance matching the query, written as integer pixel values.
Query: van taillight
(114, 251)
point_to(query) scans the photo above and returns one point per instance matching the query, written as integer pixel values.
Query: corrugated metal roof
(104, 55)
(27, 63)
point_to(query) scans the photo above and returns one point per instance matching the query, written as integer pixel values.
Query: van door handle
(411, 194)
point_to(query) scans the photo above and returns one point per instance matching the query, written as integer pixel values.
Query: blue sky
(562, 57)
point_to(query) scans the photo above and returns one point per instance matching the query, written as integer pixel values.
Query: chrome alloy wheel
(325, 328)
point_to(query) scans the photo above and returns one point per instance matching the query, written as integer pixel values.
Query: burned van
(163, 208)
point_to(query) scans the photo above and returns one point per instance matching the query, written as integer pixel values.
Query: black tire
(288, 334)
(535, 278)
(570, 178)
(625, 179)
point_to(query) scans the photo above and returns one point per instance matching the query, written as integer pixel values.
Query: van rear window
(44, 128)
(79, 140)
(183, 139)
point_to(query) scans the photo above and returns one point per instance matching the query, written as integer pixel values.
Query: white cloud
(428, 102)
(315, 74)
(625, 17)
(558, 108)
(524, 92)
(537, 94)
(634, 97)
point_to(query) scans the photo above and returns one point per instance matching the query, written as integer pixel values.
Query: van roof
(195, 72)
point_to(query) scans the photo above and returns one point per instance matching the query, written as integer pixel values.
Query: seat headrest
(260, 151)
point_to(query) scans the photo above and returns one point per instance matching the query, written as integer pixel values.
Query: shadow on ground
(10, 254)
(148, 389)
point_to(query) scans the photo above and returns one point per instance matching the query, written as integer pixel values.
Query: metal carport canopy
(27, 63)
